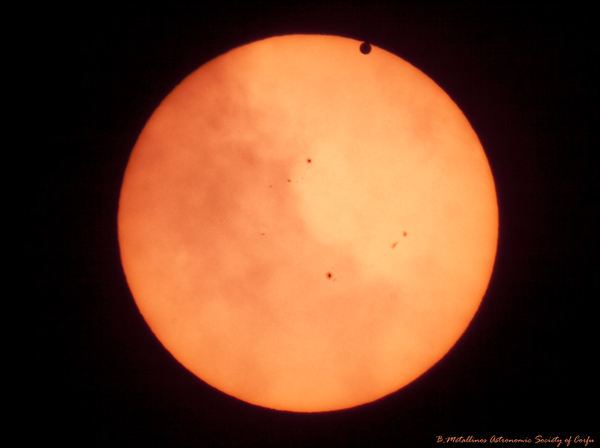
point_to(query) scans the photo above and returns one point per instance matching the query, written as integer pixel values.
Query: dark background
(525, 77)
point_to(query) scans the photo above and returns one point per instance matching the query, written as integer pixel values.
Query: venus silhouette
(307, 225)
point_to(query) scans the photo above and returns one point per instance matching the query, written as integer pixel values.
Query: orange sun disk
(306, 226)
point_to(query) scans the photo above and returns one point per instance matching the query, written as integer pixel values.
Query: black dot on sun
(365, 48)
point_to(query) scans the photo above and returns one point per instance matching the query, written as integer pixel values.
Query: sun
(308, 223)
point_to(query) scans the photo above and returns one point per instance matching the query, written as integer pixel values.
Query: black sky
(525, 77)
